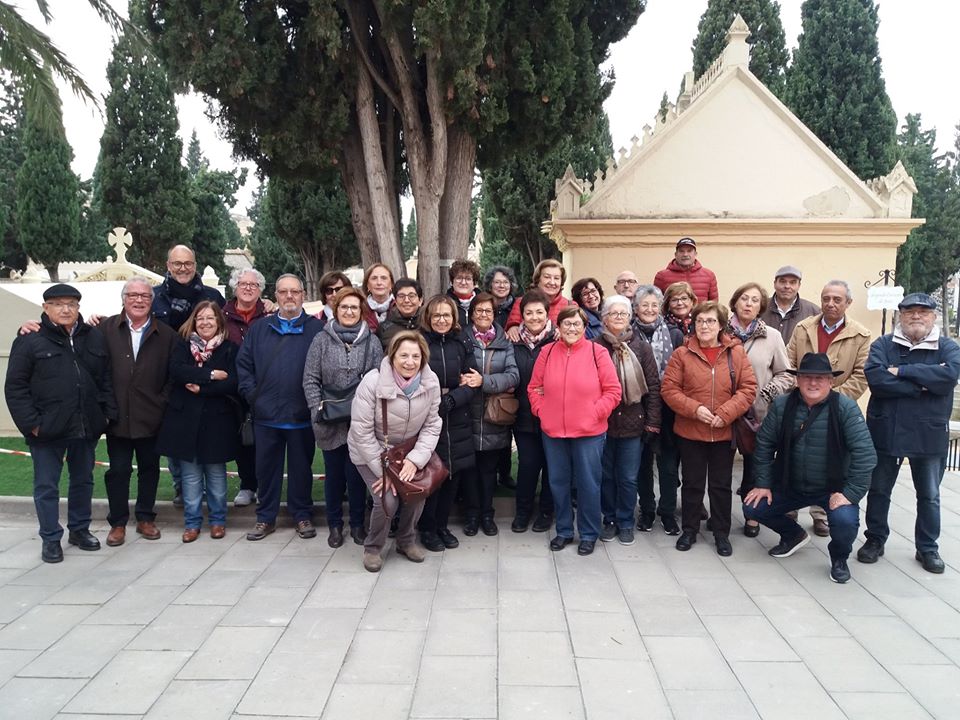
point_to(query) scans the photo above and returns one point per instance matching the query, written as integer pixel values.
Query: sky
(651, 59)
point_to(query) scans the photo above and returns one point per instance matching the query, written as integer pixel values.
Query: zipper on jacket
(76, 366)
(443, 359)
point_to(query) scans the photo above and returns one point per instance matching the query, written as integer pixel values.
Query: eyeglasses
(916, 311)
(138, 296)
(707, 322)
(248, 286)
(501, 282)
(181, 265)
(64, 305)
(463, 279)
(589, 291)
(349, 308)
(618, 314)
(680, 299)
(333, 290)
(290, 292)
(406, 297)
(626, 282)
(439, 316)
(483, 311)
(571, 325)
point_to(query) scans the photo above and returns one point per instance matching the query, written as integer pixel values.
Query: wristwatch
(211, 374)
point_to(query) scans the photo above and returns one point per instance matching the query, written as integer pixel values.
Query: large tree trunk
(358, 196)
(458, 189)
(54, 272)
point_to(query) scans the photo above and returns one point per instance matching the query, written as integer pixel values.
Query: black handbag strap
(386, 442)
(733, 377)
(256, 393)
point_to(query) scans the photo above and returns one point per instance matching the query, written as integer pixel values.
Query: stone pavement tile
(12, 536)
(765, 682)
(699, 704)
(842, 665)
(748, 638)
(82, 652)
(892, 641)
(95, 589)
(207, 699)
(536, 658)
(405, 575)
(462, 632)
(719, 596)
(135, 605)
(130, 683)
(15, 600)
(24, 555)
(456, 687)
(475, 554)
(385, 656)
(665, 615)
(248, 556)
(514, 546)
(621, 688)
(701, 561)
(8, 574)
(337, 589)
(41, 626)
(531, 610)
(638, 579)
(527, 573)
(136, 553)
(466, 590)
(61, 574)
(849, 599)
(231, 653)
(765, 578)
(218, 587)
(329, 628)
(384, 702)
(798, 616)
(398, 610)
(949, 647)
(292, 572)
(179, 627)
(264, 605)
(689, 663)
(583, 588)
(177, 569)
(87, 716)
(345, 559)
(605, 635)
(930, 616)
(290, 685)
(519, 702)
(886, 579)
(12, 660)
(36, 698)
(935, 687)
(646, 549)
(879, 706)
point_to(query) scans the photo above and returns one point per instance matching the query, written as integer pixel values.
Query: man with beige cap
(786, 307)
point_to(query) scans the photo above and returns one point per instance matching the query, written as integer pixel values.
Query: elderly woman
(573, 390)
(548, 276)
(650, 327)
(451, 358)
(709, 383)
(241, 311)
(339, 356)
(330, 284)
(497, 373)
(536, 332)
(378, 289)
(501, 282)
(405, 314)
(200, 424)
(768, 358)
(588, 293)
(408, 389)
(464, 276)
(678, 302)
(638, 413)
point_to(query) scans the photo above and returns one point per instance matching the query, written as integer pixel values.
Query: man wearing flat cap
(813, 448)
(912, 373)
(786, 307)
(60, 394)
(686, 268)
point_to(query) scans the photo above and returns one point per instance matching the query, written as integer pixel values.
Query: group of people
(592, 391)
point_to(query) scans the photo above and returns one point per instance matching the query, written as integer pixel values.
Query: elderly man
(626, 284)
(813, 448)
(912, 373)
(60, 395)
(270, 373)
(846, 342)
(405, 314)
(686, 268)
(140, 349)
(786, 307)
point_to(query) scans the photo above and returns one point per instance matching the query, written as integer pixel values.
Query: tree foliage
(11, 158)
(835, 84)
(768, 48)
(272, 256)
(408, 244)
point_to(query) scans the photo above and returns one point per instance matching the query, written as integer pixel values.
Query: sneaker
(261, 530)
(839, 572)
(306, 530)
(609, 532)
(786, 548)
(542, 523)
(244, 498)
(432, 542)
(625, 536)
(871, 551)
(645, 522)
(670, 525)
(931, 561)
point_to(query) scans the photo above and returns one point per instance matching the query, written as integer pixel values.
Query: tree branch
(360, 42)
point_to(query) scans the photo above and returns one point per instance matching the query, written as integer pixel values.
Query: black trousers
(531, 470)
(706, 465)
(436, 510)
(247, 467)
(117, 478)
(480, 483)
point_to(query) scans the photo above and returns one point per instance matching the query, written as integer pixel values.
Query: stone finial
(568, 191)
(209, 277)
(119, 239)
(896, 189)
(737, 52)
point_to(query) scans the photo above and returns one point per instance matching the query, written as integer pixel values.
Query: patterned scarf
(685, 325)
(407, 386)
(531, 340)
(203, 349)
(658, 335)
(756, 329)
(629, 370)
(485, 337)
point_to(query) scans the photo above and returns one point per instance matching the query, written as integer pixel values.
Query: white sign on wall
(884, 297)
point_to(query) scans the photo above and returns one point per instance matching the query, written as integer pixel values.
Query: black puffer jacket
(59, 384)
(450, 357)
(526, 359)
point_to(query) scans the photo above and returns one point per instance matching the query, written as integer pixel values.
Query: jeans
(47, 467)
(383, 512)
(342, 476)
(479, 484)
(531, 470)
(706, 465)
(117, 478)
(927, 474)
(844, 521)
(575, 462)
(298, 445)
(621, 464)
(668, 473)
(200, 479)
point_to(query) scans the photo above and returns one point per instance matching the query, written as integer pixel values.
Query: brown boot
(116, 536)
(148, 530)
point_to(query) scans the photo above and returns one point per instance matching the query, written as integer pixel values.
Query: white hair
(845, 285)
(136, 280)
(240, 272)
(612, 300)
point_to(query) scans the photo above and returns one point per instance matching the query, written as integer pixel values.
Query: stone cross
(119, 239)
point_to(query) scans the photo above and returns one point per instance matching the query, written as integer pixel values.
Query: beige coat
(848, 352)
(405, 417)
(768, 358)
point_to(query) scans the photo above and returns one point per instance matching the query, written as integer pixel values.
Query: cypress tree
(11, 158)
(835, 84)
(768, 48)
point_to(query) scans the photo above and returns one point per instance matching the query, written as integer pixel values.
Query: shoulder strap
(256, 393)
(487, 362)
(383, 411)
(733, 377)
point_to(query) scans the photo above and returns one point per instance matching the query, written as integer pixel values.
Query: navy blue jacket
(909, 413)
(173, 302)
(281, 398)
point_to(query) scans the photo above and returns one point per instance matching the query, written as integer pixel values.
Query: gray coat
(503, 376)
(334, 364)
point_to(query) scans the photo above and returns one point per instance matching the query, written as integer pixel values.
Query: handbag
(335, 404)
(426, 481)
(246, 425)
(499, 408)
(744, 427)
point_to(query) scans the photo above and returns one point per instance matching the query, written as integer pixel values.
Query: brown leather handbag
(499, 408)
(426, 481)
(744, 428)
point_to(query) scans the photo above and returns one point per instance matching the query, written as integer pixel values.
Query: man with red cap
(686, 268)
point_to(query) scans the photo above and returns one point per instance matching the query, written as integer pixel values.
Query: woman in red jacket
(708, 383)
(549, 276)
(573, 390)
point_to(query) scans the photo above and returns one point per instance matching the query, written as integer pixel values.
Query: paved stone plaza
(501, 627)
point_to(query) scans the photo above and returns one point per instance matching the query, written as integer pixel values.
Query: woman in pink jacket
(573, 390)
